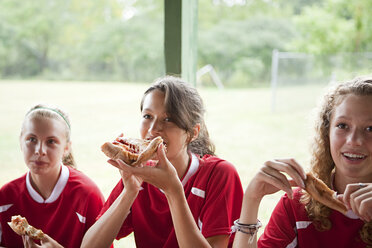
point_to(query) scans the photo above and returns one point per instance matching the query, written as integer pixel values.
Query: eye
(167, 119)
(51, 141)
(146, 116)
(31, 139)
(342, 126)
(369, 129)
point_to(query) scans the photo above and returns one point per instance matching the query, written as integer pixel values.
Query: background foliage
(123, 40)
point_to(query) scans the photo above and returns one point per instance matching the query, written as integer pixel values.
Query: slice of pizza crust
(132, 151)
(318, 190)
(20, 226)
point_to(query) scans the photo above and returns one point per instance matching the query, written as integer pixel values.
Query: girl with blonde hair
(53, 195)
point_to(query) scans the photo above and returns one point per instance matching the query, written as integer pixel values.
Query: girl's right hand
(46, 242)
(271, 178)
(130, 181)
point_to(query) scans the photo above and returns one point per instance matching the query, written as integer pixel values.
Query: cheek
(143, 129)
(26, 149)
(335, 143)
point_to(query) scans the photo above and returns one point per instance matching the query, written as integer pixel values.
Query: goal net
(299, 79)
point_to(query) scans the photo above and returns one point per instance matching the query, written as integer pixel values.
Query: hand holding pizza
(29, 233)
(358, 197)
(131, 182)
(271, 179)
(163, 175)
(46, 242)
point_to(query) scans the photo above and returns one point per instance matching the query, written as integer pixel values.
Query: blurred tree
(29, 32)
(245, 46)
(335, 26)
(123, 39)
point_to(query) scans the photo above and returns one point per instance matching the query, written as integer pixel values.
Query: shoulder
(79, 180)
(14, 186)
(217, 163)
(293, 207)
(216, 168)
(13, 190)
(217, 174)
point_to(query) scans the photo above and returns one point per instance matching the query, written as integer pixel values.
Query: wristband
(250, 229)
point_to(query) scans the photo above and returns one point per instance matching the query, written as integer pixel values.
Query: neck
(181, 163)
(340, 181)
(44, 184)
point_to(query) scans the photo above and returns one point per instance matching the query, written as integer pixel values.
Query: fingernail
(303, 184)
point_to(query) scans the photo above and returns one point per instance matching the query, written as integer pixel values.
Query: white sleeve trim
(198, 192)
(293, 244)
(200, 224)
(302, 224)
(4, 208)
(82, 219)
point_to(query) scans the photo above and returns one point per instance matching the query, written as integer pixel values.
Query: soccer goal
(308, 75)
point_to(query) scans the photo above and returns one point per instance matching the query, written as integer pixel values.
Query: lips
(39, 162)
(354, 156)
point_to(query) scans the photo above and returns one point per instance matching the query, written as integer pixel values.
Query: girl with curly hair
(342, 158)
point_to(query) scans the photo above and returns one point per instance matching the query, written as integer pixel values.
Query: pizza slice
(318, 190)
(20, 226)
(132, 151)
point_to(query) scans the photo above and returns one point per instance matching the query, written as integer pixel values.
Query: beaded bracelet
(250, 229)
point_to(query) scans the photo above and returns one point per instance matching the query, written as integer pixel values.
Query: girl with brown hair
(188, 197)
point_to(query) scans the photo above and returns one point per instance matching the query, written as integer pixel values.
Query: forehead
(354, 107)
(154, 100)
(44, 127)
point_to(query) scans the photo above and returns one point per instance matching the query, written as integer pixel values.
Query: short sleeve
(95, 201)
(223, 200)
(127, 227)
(280, 231)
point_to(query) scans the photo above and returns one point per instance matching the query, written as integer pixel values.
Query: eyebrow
(343, 117)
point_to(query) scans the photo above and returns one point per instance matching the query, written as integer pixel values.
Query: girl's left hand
(358, 197)
(163, 175)
(46, 242)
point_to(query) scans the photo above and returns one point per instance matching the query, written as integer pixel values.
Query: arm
(187, 232)
(164, 176)
(105, 229)
(268, 180)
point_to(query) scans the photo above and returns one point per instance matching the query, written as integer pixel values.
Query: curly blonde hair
(322, 164)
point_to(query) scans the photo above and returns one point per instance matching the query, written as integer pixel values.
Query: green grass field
(240, 122)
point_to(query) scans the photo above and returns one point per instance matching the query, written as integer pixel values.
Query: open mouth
(353, 156)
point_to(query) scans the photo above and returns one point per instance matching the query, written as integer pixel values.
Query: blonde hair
(322, 164)
(55, 113)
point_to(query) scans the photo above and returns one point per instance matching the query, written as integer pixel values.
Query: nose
(155, 128)
(355, 137)
(40, 149)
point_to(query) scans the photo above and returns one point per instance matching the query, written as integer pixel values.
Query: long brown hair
(55, 113)
(185, 107)
(322, 164)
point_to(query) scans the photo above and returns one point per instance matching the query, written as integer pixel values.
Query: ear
(67, 149)
(196, 131)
